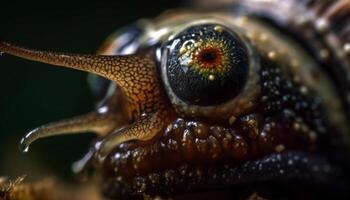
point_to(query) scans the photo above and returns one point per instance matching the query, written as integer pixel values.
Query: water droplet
(347, 48)
(23, 146)
(211, 77)
(81, 167)
(24, 149)
(322, 25)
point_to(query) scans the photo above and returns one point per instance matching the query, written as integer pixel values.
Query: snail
(232, 98)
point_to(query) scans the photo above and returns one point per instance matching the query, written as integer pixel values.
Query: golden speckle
(156, 198)
(211, 77)
(242, 20)
(279, 148)
(312, 136)
(198, 43)
(322, 24)
(295, 63)
(303, 90)
(263, 38)
(3, 180)
(119, 178)
(219, 29)
(272, 55)
(347, 48)
(169, 127)
(251, 35)
(254, 126)
(231, 120)
(189, 62)
(324, 54)
(296, 126)
(182, 50)
(193, 112)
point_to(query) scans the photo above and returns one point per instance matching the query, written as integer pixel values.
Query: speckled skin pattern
(134, 75)
(283, 130)
(195, 150)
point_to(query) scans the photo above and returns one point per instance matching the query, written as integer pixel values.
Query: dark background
(33, 94)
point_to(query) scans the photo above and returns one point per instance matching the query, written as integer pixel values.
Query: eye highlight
(207, 65)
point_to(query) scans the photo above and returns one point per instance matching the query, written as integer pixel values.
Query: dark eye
(207, 65)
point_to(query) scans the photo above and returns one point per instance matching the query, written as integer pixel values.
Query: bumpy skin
(201, 155)
(285, 130)
(197, 152)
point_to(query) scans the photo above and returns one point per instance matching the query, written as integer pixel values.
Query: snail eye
(206, 65)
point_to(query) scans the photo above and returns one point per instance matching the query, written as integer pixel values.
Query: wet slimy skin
(205, 102)
(188, 152)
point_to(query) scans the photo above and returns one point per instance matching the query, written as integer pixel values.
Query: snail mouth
(191, 157)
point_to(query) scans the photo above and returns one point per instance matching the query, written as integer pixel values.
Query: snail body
(249, 97)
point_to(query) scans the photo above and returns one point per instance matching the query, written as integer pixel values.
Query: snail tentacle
(100, 124)
(125, 70)
(135, 75)
(145, 128)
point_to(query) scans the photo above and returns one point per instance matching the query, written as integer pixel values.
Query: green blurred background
(33, 94)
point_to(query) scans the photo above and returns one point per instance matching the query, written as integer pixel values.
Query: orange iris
(209, 57)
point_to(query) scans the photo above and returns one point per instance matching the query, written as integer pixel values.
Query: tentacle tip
(77, 167)
(24, 146)
(80, 166)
